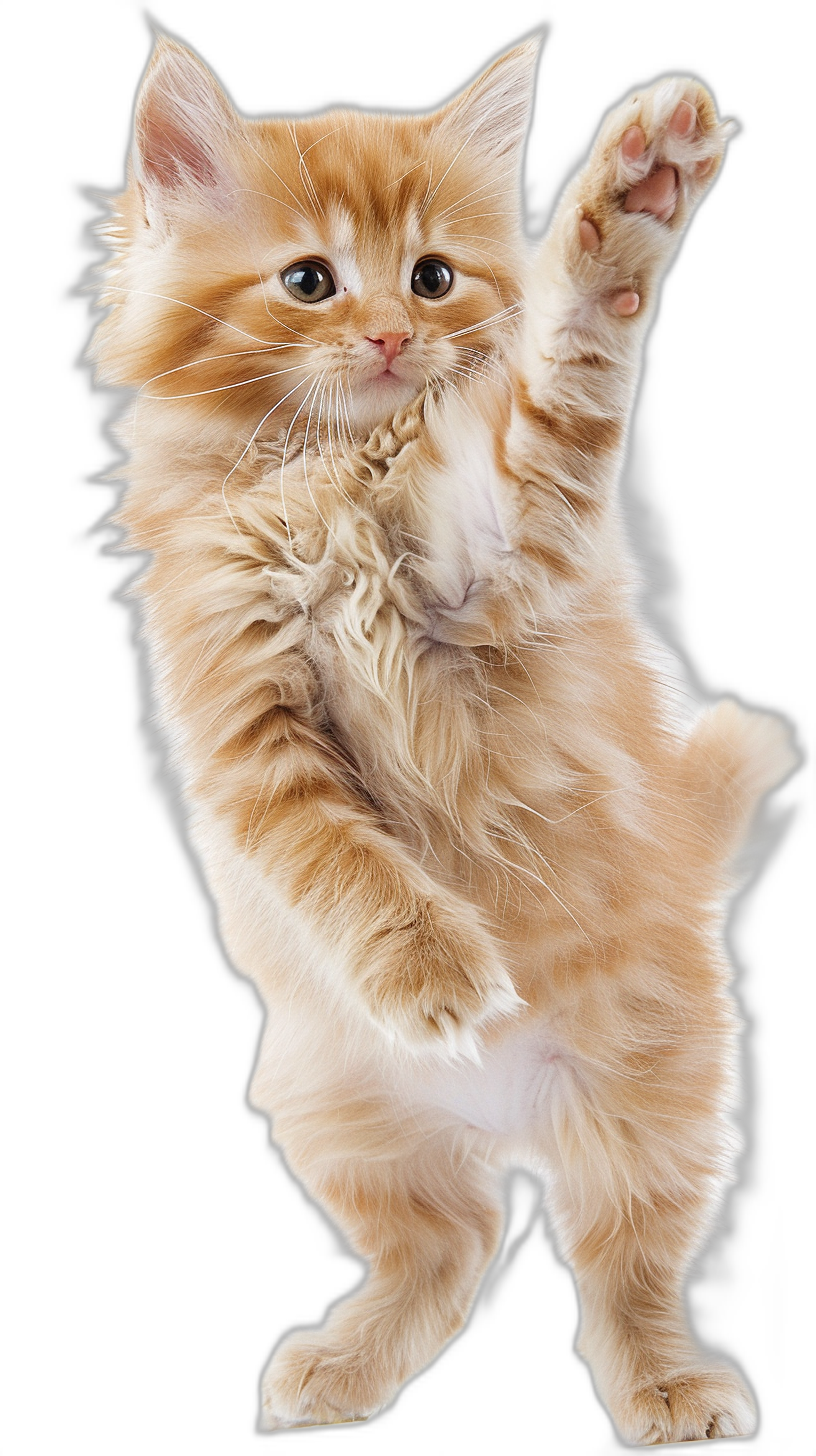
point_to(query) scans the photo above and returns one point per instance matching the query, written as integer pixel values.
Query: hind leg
(635, 1153)
(423, 1212)
(656, 1383)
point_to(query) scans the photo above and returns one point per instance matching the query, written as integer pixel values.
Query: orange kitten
(455, 838)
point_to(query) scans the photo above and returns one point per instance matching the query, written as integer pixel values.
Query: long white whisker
(332, 473)
(145, 293)
(457, 206)
(247, 446)
(213, 358)
(219, 388)
(278, 321)
(406, 174)
(340, 440)
(472, 216)
(505, 313)
(283, 461)
(261, 158)
(305, 460)
(342, 127)
(429, 199)
(479, 254)
(305, 175)
(349, 430)
(278, 200)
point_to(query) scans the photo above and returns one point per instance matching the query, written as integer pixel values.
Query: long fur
(455, 839)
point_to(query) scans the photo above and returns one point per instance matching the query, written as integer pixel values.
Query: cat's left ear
(185, 134)
(493, 114)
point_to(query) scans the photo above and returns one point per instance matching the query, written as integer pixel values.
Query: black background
(177, 1235)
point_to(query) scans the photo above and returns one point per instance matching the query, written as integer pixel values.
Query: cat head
(339, 263)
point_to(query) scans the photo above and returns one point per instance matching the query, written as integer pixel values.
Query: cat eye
(432, 278)
(310, 282)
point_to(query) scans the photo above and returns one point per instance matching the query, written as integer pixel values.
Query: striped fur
(456, 837)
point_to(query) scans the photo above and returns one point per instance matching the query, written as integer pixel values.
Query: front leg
(592, 293)
(407, 952)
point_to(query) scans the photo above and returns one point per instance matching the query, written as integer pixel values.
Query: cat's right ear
(185, 135)
(493, 114)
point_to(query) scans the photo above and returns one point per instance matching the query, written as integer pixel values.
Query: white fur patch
(511, 1090)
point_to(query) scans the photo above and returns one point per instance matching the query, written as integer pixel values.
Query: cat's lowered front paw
(437, 983)
(653, 159)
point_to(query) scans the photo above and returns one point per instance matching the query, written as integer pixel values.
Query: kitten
(455, 838)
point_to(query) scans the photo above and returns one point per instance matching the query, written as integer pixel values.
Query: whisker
(340, 438)
(278, 321)
(333, 473)
(342, 127)
(261, 158)
(213, 358)
(145, 293)
(479, 254)
(255, 193)
(208, 359)
(246, 448)
(219, 388)
(505, 313)
(283, 461)
(349, 433)
(426, 204)
(305, 465)
(457, 206)
(397, 180)
(305, 175)
(472, 216)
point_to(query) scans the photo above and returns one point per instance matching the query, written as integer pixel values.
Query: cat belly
(515, 1088)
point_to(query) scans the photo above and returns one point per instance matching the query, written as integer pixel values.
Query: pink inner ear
(183, 123)
(170, 153)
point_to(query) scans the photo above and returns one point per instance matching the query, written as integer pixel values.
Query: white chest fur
(519, 1080)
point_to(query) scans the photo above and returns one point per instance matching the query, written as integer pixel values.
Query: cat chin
(374, 402)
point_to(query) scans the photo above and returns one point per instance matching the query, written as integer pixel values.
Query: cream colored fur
(474, 872)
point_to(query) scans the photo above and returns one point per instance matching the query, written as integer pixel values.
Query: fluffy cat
(455, 835)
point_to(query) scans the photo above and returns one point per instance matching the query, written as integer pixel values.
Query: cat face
(322, 268)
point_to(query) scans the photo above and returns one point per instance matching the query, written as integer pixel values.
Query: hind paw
(695, 1406)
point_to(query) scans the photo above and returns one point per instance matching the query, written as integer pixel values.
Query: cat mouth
(388, 379)
(388, 373)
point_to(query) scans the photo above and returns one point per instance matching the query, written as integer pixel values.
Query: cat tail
(735, 756)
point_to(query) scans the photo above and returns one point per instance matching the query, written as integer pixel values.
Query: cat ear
(493, 114)
(184, 132)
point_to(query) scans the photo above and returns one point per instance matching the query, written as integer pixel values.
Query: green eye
(432, 278)
(309, 282)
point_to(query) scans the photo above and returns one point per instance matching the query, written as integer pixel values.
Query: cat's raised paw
(654, 158)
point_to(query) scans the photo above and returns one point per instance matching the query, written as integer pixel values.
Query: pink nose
(389, 344)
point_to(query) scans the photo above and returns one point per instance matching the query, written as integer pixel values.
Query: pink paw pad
(683, 119)
(589, 235)
(657, 195)
(659, 192)
(626, 304)
(633, 143)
